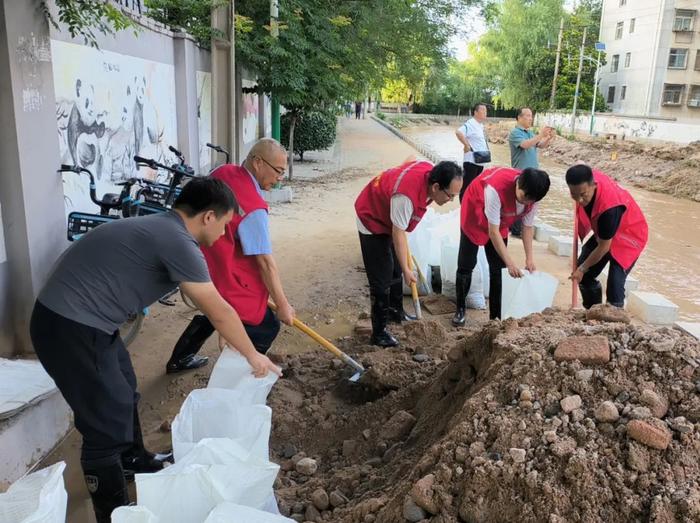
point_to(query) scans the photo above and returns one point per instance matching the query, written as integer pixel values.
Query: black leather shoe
(187, 363)
(384, 339)
(399, 316)
(458, 319)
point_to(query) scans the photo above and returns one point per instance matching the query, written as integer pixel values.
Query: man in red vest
(620, 233)
(495, 200)
(389, 206)
(241, 264)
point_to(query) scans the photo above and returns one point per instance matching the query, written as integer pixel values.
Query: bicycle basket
(80, 222)
(157, 193)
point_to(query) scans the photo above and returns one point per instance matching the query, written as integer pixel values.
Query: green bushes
(313, 131)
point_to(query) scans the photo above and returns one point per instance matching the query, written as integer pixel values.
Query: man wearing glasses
(493, 202)
(241, 264)
(389, 206)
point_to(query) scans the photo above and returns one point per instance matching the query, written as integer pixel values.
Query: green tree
(191, 16)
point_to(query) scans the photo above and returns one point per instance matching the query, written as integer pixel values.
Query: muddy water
(670, 264)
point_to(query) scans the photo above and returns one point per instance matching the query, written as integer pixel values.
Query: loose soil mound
(492, 428)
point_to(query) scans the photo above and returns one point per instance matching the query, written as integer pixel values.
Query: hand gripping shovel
(323, 342)
(414, 291)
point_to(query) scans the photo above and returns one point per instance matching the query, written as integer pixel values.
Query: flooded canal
(670, 265)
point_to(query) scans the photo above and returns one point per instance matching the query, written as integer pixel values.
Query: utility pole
(600, 46)
(556, 64)
(578, 81)
(275, 104)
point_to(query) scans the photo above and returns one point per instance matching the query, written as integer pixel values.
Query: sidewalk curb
(423, 150)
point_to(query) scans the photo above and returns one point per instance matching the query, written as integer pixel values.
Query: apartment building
(653, 58)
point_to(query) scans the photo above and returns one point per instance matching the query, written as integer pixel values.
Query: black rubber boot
(462, 284)
(591, 295)
(107, 488)
(380, 309)
(184, 355)
(397, 314)
(138, 460)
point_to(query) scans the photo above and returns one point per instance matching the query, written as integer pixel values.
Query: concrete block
(631, 283)
(652, 308)
(282, 195)
(544, 231)
(31, 434)
(691, 328)
(561, 245)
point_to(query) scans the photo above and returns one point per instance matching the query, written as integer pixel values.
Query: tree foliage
(83, 18)
(314, 131)
(191, 16)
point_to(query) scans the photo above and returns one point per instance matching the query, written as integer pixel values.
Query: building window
(623, 92)
(697, 60)
(677, 58)
(618, 30)
(623, 3)
(615, 63)
(611, 94)
(694, 96)
(628, 59)
(683, 20)
(673, 93)
(632, 25)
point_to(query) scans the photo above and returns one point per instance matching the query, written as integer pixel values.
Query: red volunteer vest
(373, 205)
(632, 234)
(235, 275)
(475, 225)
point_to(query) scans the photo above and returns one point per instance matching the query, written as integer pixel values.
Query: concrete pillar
(31, 193)
(223, 92)
(185, 51)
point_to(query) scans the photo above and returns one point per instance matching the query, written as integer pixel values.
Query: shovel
(414, 291)
(574, 260)
(323, 342)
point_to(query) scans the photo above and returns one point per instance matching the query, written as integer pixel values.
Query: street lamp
(600, 47)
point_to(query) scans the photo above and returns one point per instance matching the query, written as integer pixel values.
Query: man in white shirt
(472, 137)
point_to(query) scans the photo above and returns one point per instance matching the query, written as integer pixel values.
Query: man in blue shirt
(523, 149)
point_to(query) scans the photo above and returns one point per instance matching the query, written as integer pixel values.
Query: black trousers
(93, 371)
(382, 265)
(200, 328)
(590, 287)
(471, 171)
(466, 261)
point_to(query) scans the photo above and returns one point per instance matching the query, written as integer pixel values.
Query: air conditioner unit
(693, 103)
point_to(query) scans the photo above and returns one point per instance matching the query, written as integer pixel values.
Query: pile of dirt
(666, 168)
(496, 424)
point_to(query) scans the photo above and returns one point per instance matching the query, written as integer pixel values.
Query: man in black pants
(115, 270)
(493, 201)
(473, 138)
(389, 206)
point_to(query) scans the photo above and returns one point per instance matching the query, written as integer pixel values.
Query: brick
(586, 349)
(561, 245)
(651, 432)
(607, 313)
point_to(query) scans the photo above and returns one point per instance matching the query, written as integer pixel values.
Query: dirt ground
(449, 407)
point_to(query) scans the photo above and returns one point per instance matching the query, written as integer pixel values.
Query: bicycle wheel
(130, 328)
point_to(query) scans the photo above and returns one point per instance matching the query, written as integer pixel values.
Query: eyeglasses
(278, 170)
(449, 196)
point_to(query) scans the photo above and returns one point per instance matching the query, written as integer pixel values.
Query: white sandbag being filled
(532, 293)
(233, 513)
(232, 371)
(222, 413)
(133, 514)
(39, 497)
(216, 470)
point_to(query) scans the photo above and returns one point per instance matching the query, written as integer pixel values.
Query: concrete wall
(253, 115)
(625, 127)
(64, 102)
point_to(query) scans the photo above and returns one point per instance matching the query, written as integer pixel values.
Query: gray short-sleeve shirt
(122, 267)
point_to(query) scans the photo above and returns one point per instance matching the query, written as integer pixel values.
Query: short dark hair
(443, 174)
(477, 105)
(534, 183)
(520, 111)
(205, 194)
(579, 174)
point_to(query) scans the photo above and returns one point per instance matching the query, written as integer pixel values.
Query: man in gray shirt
(115, 270)
(523, 149)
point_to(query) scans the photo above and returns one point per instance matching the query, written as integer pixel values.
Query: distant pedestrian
(358, 110)
(523, 149)
(476, 149)
(348, 109)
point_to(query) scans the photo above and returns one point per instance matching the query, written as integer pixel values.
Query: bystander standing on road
(476, 149)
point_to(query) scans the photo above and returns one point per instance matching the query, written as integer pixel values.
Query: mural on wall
(110, 107)
(204, 119)
(250, 110)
